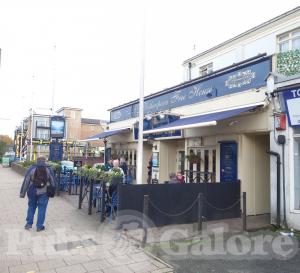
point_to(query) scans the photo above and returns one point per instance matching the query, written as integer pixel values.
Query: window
(180, 161)
(297, 169)
(43, 148)
(43, 134)
(42, 121)
(289, 41)
(205, 69)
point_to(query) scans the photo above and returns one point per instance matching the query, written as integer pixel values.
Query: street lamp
(105, 154)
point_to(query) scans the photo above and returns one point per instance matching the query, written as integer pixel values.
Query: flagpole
(54, 78)
(140, 151)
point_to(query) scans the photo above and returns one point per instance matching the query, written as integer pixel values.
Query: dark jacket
(28, 180)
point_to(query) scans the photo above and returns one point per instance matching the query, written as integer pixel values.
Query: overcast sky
(97, 56)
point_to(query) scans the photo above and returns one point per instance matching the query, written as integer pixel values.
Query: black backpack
(40, 177)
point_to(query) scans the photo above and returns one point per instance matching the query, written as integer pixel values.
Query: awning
(202, 120)
(106, 134)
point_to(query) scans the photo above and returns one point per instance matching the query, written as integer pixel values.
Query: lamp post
(31, 133)
(105, 155)
(21, 146)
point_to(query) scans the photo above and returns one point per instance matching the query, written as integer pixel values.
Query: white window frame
(208, 68)
(288, 39)
(292, 173)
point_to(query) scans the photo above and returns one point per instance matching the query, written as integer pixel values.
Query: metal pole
(54, 78)
(80, 192)
(21, 146)
(102, 213)
(145, 214)
(200, 211)
(139, 179)
(105, 155)
(31, 135)
(91, 196)
(244, 211)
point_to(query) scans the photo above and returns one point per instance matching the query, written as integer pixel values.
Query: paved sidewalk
(72, 243)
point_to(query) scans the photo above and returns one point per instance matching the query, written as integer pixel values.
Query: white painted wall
(260, 41)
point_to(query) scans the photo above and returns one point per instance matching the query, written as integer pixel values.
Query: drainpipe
(282, 141)
(278, 186)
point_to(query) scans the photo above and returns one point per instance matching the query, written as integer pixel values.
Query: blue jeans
(40, 202)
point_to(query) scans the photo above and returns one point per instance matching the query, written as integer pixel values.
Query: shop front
(288, 91)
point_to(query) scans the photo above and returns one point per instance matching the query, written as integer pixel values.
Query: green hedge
(288, 63)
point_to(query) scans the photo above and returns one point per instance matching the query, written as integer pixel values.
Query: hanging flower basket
(194, 159)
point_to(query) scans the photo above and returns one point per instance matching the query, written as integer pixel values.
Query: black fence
(178, 203)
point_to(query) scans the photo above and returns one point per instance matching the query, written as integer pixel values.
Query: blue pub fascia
(250, 74)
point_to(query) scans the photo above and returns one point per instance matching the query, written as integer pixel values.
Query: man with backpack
(39, 184)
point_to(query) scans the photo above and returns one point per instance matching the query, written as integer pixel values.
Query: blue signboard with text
(292, 105)
(56, 151)
(57, 127)
(155, 122)
(237, 79)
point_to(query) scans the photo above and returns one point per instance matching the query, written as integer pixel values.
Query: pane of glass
(296, 43)
(296, 33)
(297, 171)
(283, 37)
(284, 46)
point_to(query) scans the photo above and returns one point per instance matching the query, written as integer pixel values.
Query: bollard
(244, 212)
(102, 202)
(145, 214)
(200, 211)
(91, 196)
(80, 193)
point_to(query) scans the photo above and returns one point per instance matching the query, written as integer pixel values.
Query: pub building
(213, 129)
(217, 126)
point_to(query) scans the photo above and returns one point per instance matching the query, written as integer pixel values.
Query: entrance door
(228, 162)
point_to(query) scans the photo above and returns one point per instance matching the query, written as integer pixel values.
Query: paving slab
(73, 241)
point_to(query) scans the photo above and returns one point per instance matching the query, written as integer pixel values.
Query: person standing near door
(149, 167)
(36, 185)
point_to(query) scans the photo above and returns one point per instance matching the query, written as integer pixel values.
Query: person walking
(39, 184)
